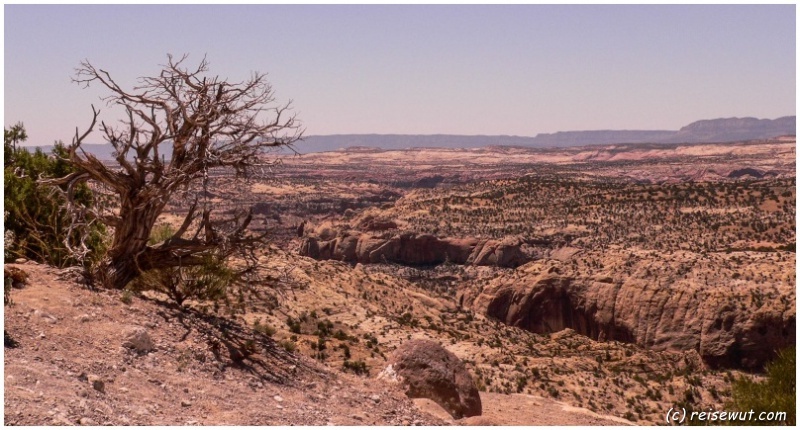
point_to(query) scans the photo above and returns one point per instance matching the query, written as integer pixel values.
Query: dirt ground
(70, 368)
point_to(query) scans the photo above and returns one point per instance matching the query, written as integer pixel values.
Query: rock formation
(427, 370)
(416, 249)
(736, 324)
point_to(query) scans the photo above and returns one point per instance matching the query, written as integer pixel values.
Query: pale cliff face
(685, 302)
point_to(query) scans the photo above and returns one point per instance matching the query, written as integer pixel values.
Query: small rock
(278, 398)
(375, 398)
(86, 421)
(138, 339)
(96, 382)
(60, 419)
(84, 318)
(186, 403)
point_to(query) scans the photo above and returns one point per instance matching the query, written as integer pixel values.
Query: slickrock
(416, 249)
(673, 306)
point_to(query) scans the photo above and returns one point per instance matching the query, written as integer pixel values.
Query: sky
(415, 69)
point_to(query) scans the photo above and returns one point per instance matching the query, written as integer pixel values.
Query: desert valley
(400, 215)
(582, 285)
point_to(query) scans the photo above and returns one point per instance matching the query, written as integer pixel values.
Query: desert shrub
(6, 292)
(358, 367)
(11, 276)
(288, 345)
(207, 281)
(294, 325)
(775, 394)
(126, 297)
(263, 328)
(37, 225)
(160, 233)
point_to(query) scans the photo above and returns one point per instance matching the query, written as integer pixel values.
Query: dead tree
(180, 124)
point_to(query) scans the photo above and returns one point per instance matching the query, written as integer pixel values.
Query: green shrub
(37, 224)
(6, 292)
(294, 325)
(126, 297)
(207, 281)
(288, 345)
(358, 367)
(263, 328)
(160, 233)
(775, 394)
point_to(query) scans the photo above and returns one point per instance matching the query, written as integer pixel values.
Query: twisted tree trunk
(124, 260)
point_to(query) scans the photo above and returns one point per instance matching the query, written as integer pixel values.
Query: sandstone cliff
(731, 318)
(416, 249)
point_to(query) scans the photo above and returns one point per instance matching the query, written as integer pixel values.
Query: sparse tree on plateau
(179, 124)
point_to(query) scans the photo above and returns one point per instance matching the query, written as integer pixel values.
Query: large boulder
(427, 370)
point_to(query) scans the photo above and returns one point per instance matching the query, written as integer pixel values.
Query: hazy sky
(517, 70)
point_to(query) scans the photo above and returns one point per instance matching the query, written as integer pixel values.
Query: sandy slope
(69, 338)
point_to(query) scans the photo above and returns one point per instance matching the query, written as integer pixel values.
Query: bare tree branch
(179, 125)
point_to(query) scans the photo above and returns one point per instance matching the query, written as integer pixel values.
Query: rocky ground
(73, 366)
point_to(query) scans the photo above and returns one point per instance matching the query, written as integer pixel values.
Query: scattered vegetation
(593, 214)
(776, 393)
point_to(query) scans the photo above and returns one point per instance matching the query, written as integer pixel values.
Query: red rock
(427, 370)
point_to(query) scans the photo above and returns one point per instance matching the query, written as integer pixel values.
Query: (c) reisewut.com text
(680, 416)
